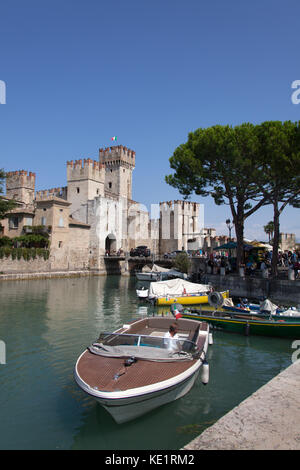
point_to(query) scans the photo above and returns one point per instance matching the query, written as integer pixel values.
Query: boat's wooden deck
(99, 371)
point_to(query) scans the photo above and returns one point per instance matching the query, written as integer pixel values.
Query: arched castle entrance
(110, 243)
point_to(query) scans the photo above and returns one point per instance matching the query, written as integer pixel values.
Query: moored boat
(265, 309)
(246, 323)
(158, 273)
(181, 291)
(188, 299)
(132, 371)
(142, 293)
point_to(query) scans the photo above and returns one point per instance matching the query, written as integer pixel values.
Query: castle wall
(178, 224)
(119, 161)
(20, 185)
(85, 181)
(38, 265)
(287, 241)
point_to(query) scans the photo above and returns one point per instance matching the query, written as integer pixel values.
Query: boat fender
(210, 339)
(205, 372)
(215, 299)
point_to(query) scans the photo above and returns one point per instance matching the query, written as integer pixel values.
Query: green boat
(243, 324)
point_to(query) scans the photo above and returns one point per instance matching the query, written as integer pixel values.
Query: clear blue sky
(79, 72)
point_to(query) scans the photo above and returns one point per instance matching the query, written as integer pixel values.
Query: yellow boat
(188, 299)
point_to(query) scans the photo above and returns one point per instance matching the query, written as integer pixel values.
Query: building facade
(95, 215)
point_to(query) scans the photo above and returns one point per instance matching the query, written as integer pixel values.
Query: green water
(46, 324)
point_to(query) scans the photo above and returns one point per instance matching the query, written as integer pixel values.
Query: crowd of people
(255, 262)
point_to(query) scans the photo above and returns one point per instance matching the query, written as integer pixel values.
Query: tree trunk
(274, 265)
(239, 230)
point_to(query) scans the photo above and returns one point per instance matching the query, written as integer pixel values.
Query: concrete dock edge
(267, 420)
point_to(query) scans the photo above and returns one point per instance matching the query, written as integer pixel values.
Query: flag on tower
(114, 138)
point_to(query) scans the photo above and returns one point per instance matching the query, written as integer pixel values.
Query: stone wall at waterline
(37, 265)
(278, 290)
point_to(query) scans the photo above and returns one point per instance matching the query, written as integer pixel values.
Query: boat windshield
(179, 344)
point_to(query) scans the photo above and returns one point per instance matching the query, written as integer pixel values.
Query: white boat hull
(128, 408)
(142, 294)
(128, 405)
(148, 276)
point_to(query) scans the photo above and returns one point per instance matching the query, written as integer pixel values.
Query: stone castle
(95, 215)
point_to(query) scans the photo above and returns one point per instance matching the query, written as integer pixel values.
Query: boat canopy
(268, 306)
(176, 287)
(155, 269)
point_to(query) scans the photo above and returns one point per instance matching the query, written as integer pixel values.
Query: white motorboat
(142, 293)
(131, 371)
(158, 273)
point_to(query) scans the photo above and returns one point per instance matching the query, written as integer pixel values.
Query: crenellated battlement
(20, 185)
(117, 155)
(47, 194)
(20, 178)
(184, 207)
(85, 169)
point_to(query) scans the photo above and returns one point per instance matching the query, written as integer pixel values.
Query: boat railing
(125, 339)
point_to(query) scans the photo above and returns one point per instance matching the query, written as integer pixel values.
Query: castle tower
(119, 161)
(85, 181)
(20, 185)
(178, 225)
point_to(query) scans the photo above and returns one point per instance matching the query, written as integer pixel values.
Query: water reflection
(46, 324)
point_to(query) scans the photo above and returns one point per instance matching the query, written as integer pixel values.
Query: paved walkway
(267, 420)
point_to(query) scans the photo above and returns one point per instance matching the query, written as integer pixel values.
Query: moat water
(46, 324)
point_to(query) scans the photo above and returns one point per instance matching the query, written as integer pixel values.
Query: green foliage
(26, 253)
(269, 229)
(6, 241)
(182, 262)
(222, 162)
(29, 246)
(32, 241)
(245, 166)
(5, 205)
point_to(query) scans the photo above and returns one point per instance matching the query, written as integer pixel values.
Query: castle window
(78, 190)
(109, 185)
(60, 244)
(44, 209)
(43, 221)
(61, 222)
(97, 191)
(13, 222)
